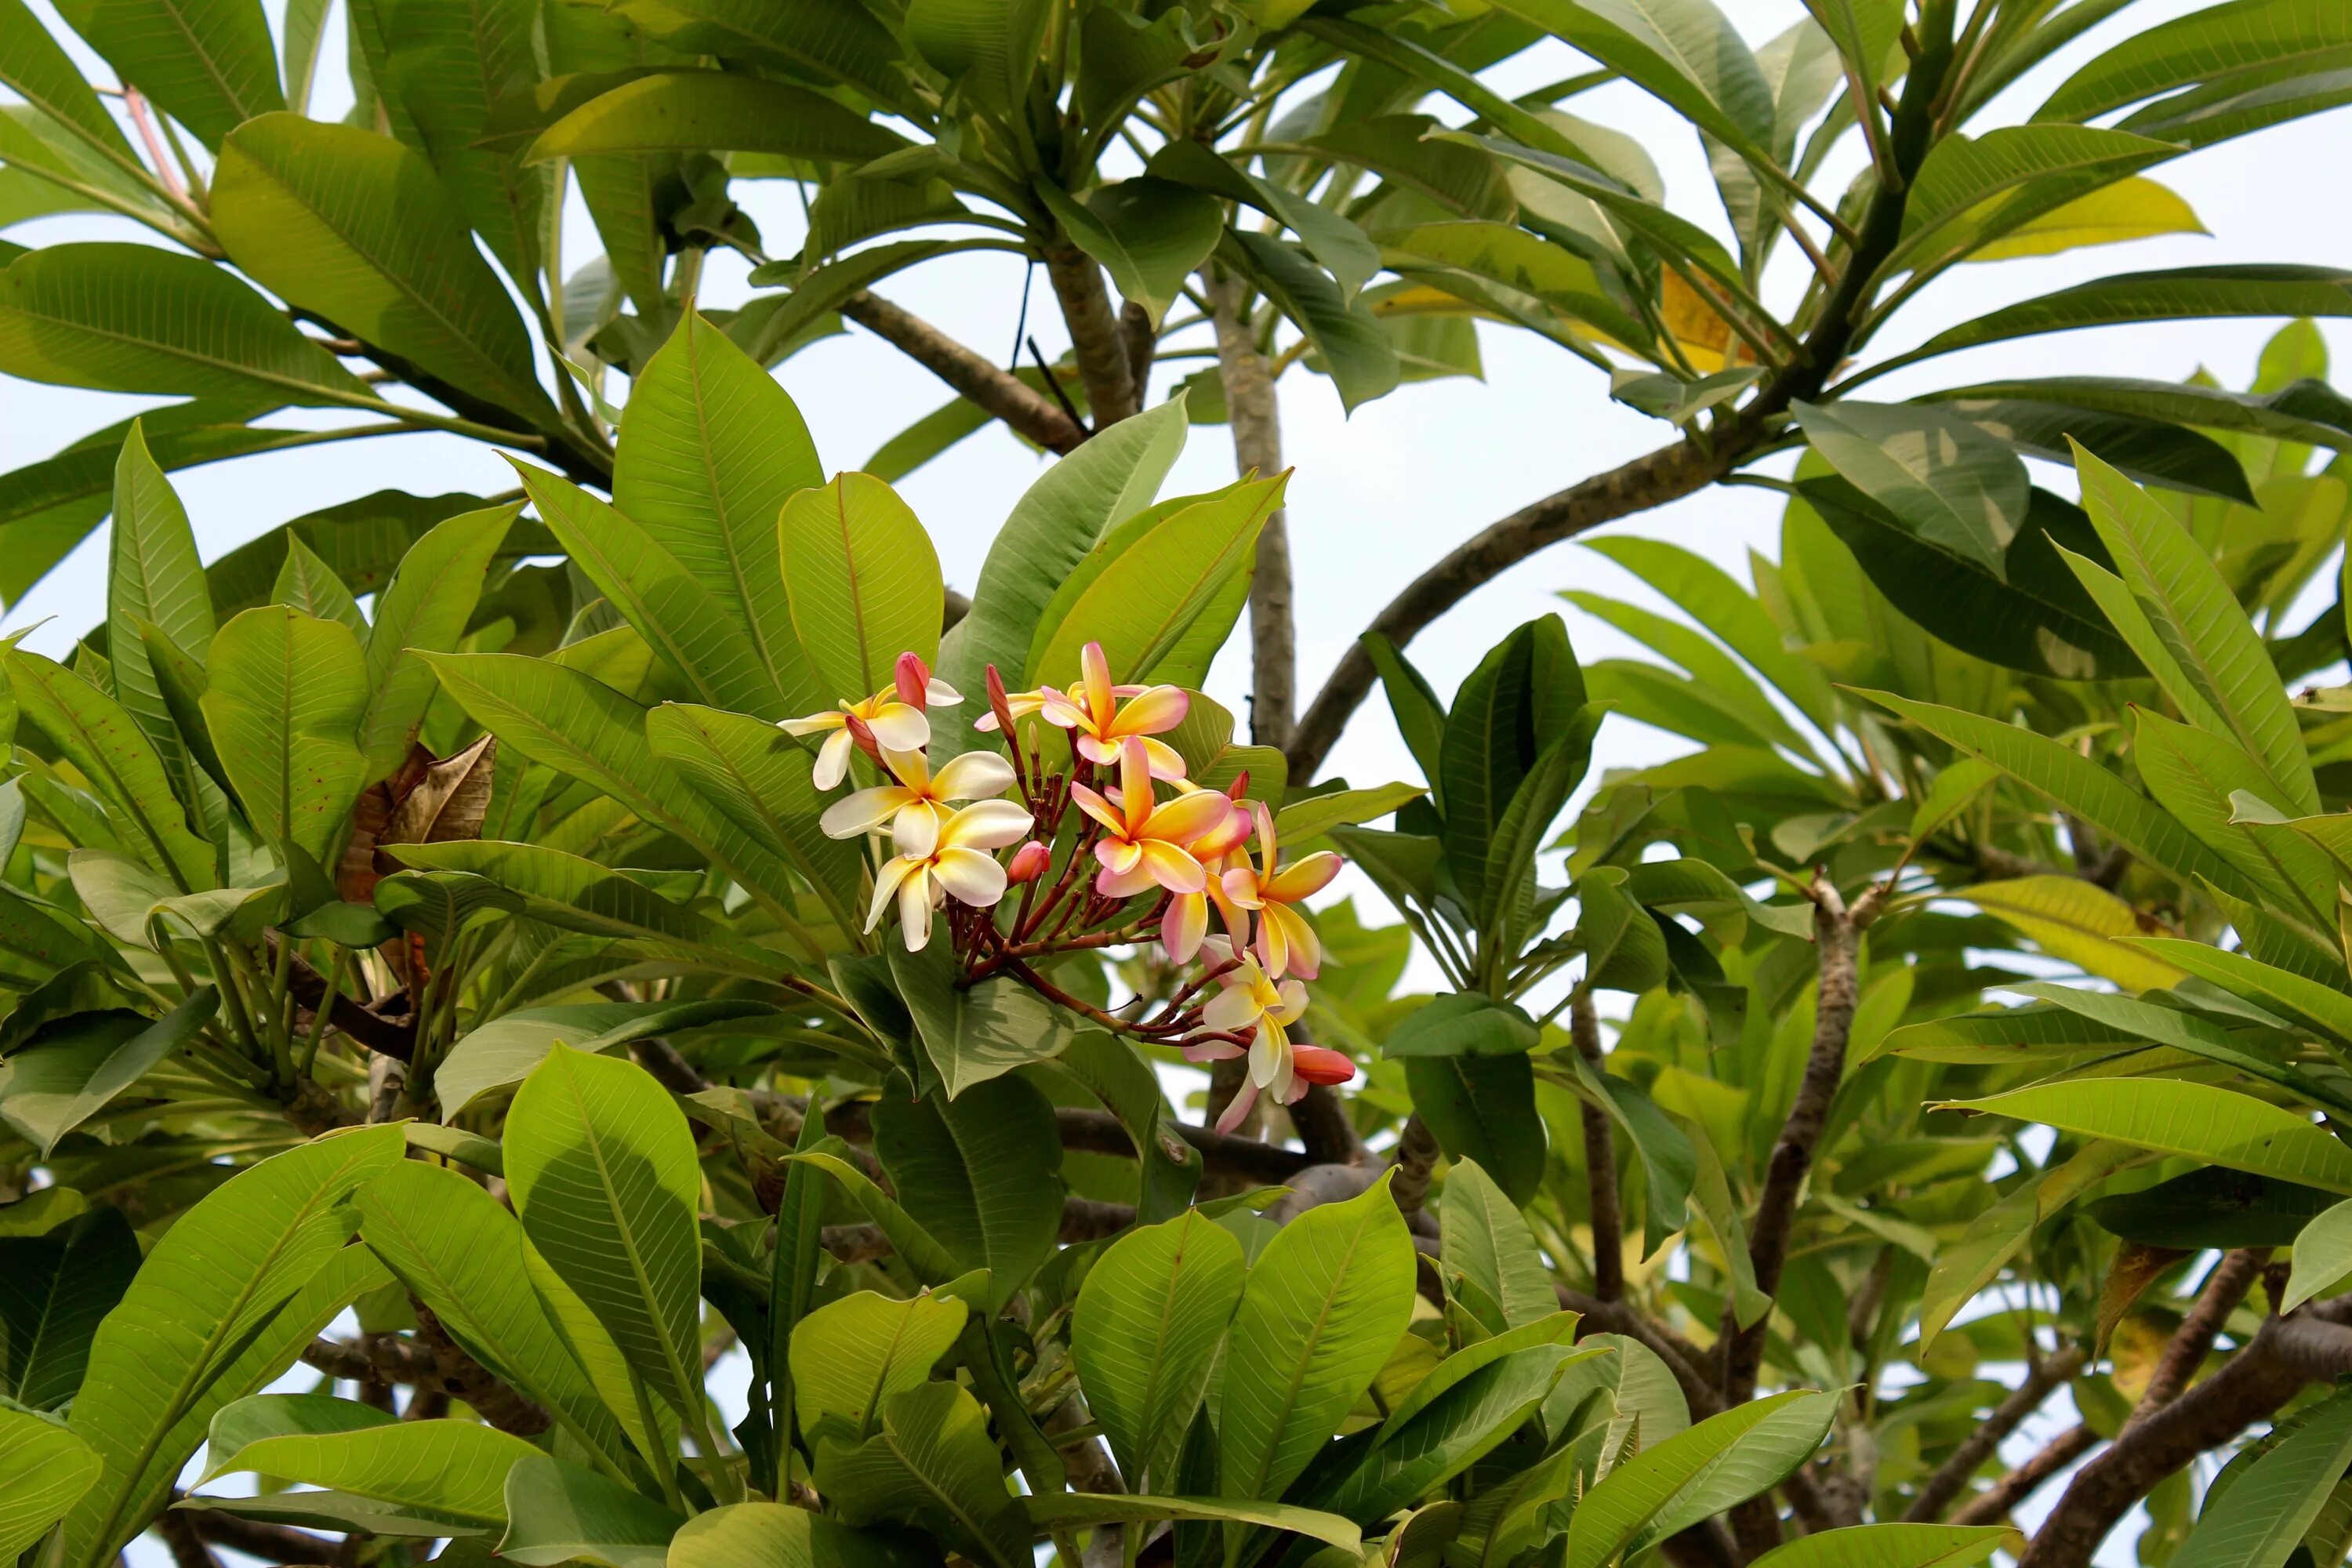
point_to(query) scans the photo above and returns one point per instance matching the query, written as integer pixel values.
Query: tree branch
(1600, 1161)
(1097, 342)
(1416, 1158)
(1954, 1472)
(1083, 1219)
(998, 392)
(1993, 1504)
(256, 1538)
(1256, 420)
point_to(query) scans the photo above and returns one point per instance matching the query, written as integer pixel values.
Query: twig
(1006, 396)
(258, 1538)
(1256, 416)
(1956, 1472)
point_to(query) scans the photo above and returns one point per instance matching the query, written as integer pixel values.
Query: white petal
(831, 759)
(1266, 1056)
(939, 694)
(987, 825)
(915, 909)
(974, 877)
(975, 775)
(898, 727)
(1231, 1009)
(862, 812)
(885, 882)
(916, 831)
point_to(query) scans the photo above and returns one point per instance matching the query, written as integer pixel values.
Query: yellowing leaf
(2083, 924)
(1705, 336)
(2137, 208)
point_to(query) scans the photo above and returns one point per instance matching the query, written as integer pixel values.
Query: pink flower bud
(1000, 707)
(1029, 862)
(1316, 1065)
(864, 736)
(914, 680)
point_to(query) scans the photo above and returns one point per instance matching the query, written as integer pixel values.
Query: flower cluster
(1141, 830)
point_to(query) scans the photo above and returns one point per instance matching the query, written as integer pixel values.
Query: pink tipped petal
(1309, 877)
(1029, 862)
(863, 812)
(975, 775)
(833, 760)
(1136, 878)
(886, 883)
(970, 876)
(1095, 671)
(1241, 887)
(1190, 816)
(1102, 754)
(1182, 928)
(1172, 868)
(1273, 945)
(1166, 763)
(1217, 951)
(1153, 712)
(898, 727)
(1120, 857)
(1134, 785)
(1212, 1051)
(987, 825)
(1098, 808)
(986, 721)
(1058, 709)
(1306, 959)
(1239, 1109)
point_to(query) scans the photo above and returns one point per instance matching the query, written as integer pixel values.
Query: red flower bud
(1029, 862)
(864, 737)
(1001, 706)
(1316, 1065)
(914, 680)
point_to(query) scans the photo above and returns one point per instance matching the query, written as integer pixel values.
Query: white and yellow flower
(936, 859)
(917, 792)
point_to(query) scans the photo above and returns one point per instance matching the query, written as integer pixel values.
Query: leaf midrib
(1315, 1338)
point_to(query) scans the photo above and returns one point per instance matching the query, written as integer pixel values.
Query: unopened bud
(864, 738)
(913, 677)
(1318, 1065)
(1029, 862)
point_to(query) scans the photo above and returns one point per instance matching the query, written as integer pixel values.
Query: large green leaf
(603, 1171)
(712, 448)
(48, 1469)
(2322, 1255)
(1616, 1512)
(208, 64)
(92, 731)
(852, 1355)
(698, 634)
(505, 1050)
(1972, 190)
(133, 318)
(1355, 354)
(2195, 1120)
(308, 584)
(1153, 592)
(1709, 595)
(1482, 1108)
(1059, 519)
(448, 64)
(1955, 487)
(694, 111)
(975, 1033)
(220, 1309)
(1350, 257)
(1150, 1319)
(451, 1246)
(2201, 623)
(827, 40)
(38, 68)
(981, 1172)
(361, 230)
(1890, 1546)
(1494, 1275)
(2250, 39)
(2304, 411)
(455, 1468)
(286, 696)
(932, 1464)
(777, 1535)
(154, 578)
(1320, 1313)
(1684, 52)
(1052, 1510)
(1150, 234)
(559, 1513)
(1763, 1457)
(2281, 991)
(77, 1066)
(863, 582)
(2259, 1521)
(2175, 294)
(2075, 783)
(55, 1289)
(759, 779)
(424, 608)
(2198, 775)
(2171, 457)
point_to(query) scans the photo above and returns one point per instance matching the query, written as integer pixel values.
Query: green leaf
(1972, 190)
(220, 1307)
(361, 230)
(850, 1356)
(2075, 783)
(982, 1174)
(863, 582)
(49, 1469)
(1350, 257)
(2198, 617)
(1494, 1273)
(1484, 1109)
(1684, 52)
(2208, 46)
(1669, 1166)
(1952, 485)
(926, 1259)
(2320, 1006)
(1069, 1510)
(1534, 805)
(38, 69)
(91, 731)
(337, 1511)
(1462, 1023)
(208, 64)
(449, 65)
(133, 318)
(694, 111)
(1151, 233)
(2198, 774)
(1511, 710)
(2304, 411)
(424, 608)
(1764, 1456)
(2211, 1207)
(55, 1289)
(154, 577)
(1420, 716)
(2151, 451)
(2322, 1255)
(75, 1070)
(1708, 595)
(1890, 1546)
(505, 1050)
(1355, 352)
(2174, 294)
(974, 1033)
(2194, 1120)
(1616, 1512)
(603, 1174)
(1059, 519)
(558, 1513)
(452, 1246)
(760, 780)
(1320, 1313)
(1154, 592)
(1150, 1319)
(700, 635)
(2259, 1521)
(2080, 923)
(777, 1535)
(1115, 1073)
(308, 584)
(285, 698)
(712, 448)
(2134, 209)
(458, 1468)
(932, 1464)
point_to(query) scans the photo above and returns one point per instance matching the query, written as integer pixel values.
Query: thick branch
(255, 1537)
(1954, 1472)
(1993, 1504)
(1324, 1130)
(1000, 393)
(1083, 1219)
(1100, 1132)
(1256, 420)
(1416, 1158)
(394, 1037)
(1097, 342)
(1600, 1163)
(179, 1533)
